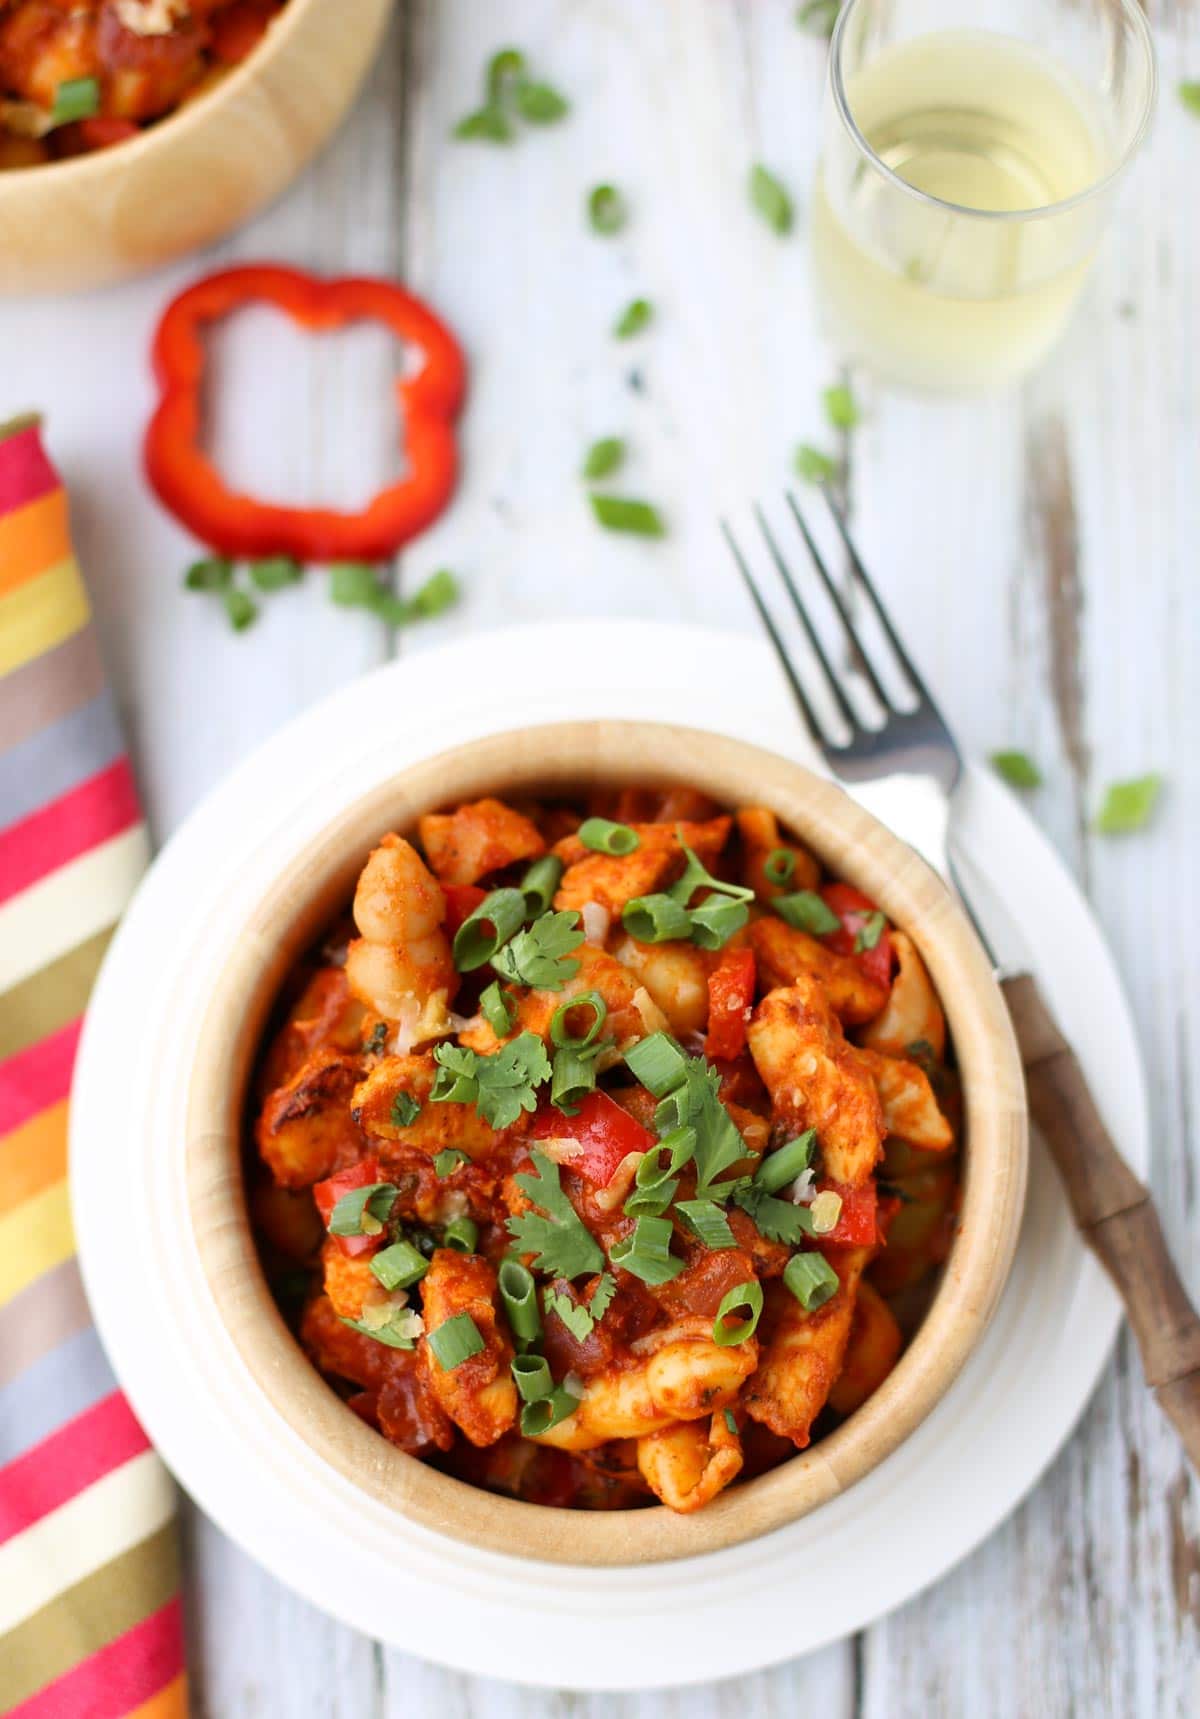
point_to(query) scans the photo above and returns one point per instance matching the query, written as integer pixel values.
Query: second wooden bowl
(573, 756)
(200, 171)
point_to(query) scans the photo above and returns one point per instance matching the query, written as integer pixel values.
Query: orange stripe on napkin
(33, 538)
(33, 1157)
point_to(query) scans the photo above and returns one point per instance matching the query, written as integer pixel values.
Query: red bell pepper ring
(189, 485)
(606, 1133)
(730, 999)
(328, 1193)
(854, 909)
(461, 901)
(858, 1220)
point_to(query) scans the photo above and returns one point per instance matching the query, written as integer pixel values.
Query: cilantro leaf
(405, 1110)
(777, 1220)
(841, 408)
(500, 1086)
(446, 1162)
(1017, 769)
(1128, 805)
(541, 955)
(559, 1239)
(1189, 95)
(694, 1104)
(582, 1317)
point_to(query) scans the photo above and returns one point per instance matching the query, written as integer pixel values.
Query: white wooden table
(1041, 547)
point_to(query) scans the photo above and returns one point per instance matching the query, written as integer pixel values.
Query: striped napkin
(90, 1623)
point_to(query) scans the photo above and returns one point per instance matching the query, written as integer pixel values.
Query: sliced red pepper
(461, 901)
(187, 483)
(605, 1131)
(328, 1193)
(858, 1221)
(101, 132)
(854, 909)
(730, 997)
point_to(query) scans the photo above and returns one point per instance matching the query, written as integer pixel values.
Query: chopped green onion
(805, 911)
(75, 98)
(656, 919)
(519, 1295)
(779, 1168)
(573, 1078)
(770, 199)
(869, 932)
(811, 1279)
(655, 1180)
(456, 1341)
(538, 1418)
(532, 1377)
(731, 1422)
(606, 210)
(240, 607)
(398, 1332)
(658, 1063)
(646, 1253)
(540, 104)
(447, 1161)
(461, 1234)
(363, 1211)
(399, 1266)
(405, 1110)
(603, 458)
(1129, 805)
(560, 1034)
(779, 865)
(841, 408)
(353, 584)
(493, 1005)
(818, 16)
(638, 314)
(812, 465)
(498, 917)
(651, 1202)
(505, 69)
(602, 836)
(825, 1211)
(744, 1303)
(1189, 95)
(212, 574)
(1017, 769)
(707, 1222)
(621, 513)
(539, 884)
(274, 572)
(716, 920)
(437, 594)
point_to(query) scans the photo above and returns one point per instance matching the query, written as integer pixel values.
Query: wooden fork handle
(1114, 1212)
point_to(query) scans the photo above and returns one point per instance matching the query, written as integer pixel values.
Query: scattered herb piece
(500, 1086)
(777, 1220)
(646, 1252)
(214, 573)
(806, 911)
(485, 125)
(405, 1110)
(538, 1418)
(656, 919)
(519, 1295)
(841, 408)
(818, 16)
(504, 72)
(541, 956)
(532, 1376)
(274, 572)
(399, 1266)
(603, 836)
(694, 1104)
(399, 1332)
(240, 607)
(447, 1161)
(603, 458)
(461, 1235)
(770, 199)
(581, 1318)
(638, 314)
(606, 209)
(353, 584)
(618, 513)
(75, 98)
(1189, 95)
(869, 932)
(707, 1223)
(743, 1305)
(1129, 806)
(539, 884)
(814, 466)
(455, 1341)
(559, 1240)
(1017, 769)
(378, 1039)
(731, 1422)
(811, 1279)
(493, 1006)
(539, 103)
(363, 1211)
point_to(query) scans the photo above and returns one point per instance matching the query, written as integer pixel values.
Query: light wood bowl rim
(853, 844)
(201, 110)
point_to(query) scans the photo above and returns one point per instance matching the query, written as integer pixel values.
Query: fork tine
(848, 713)
(785, 662)
(839, 603)
(881, 614)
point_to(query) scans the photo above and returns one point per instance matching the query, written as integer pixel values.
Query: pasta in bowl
(604, 1146)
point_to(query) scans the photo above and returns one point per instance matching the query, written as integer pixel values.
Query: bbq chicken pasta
(597, 1161)
(80, 75)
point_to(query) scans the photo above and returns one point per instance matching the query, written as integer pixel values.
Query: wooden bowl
(571, 756)
(198, 172)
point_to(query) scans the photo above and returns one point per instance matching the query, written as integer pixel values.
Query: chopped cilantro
(581, 1318)
(405, 1110)
(379, 1034)
(446, 1162)
(694, 1104)
(777, 1220)
(869, 932)
(559, 1239)
(541, 956)
(500, 1086)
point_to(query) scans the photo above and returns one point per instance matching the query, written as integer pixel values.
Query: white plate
(901, 1528)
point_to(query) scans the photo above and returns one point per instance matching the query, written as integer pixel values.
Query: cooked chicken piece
(464, 845)
(613, 880)
(478, 1395)
(305, 1130)
(910, 1109)
(785, 955)
(802, 1353)
(688, 1464)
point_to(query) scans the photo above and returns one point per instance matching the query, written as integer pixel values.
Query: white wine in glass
(966, 178)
